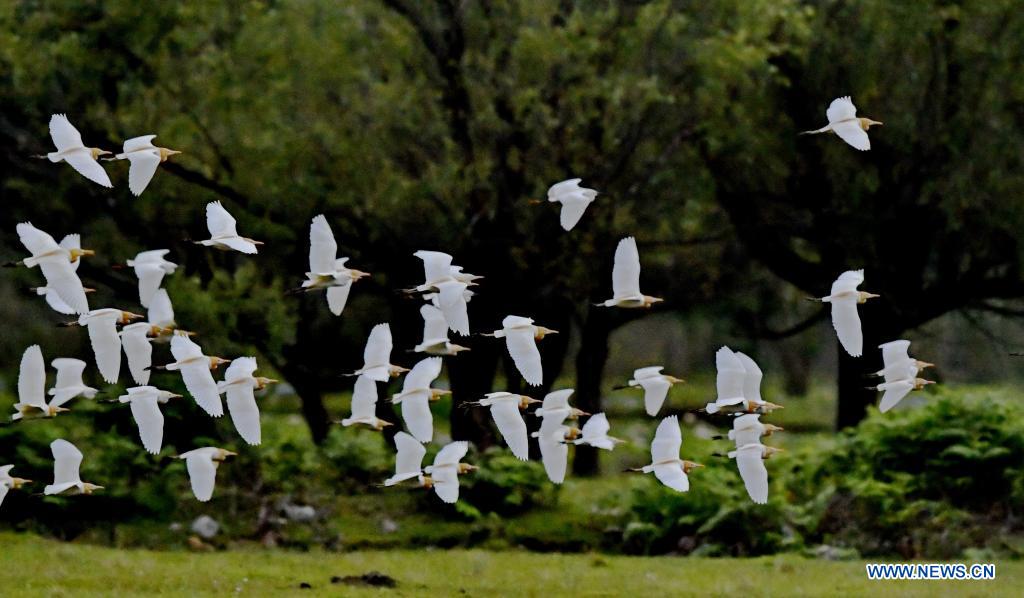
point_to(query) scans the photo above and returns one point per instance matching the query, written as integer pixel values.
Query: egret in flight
(239, 386)
(59, 264)
(150, 268)
(450, 286)
(553, 434)
(145, 404)
(202, 464)
(73, 245)
(70, 149)
(845, 298)
(748, 429)
(750, 460)
(655, 386)
(416, 396)
(843, 121)
(665, 462)
(505, 408)
(364, 405)
(197, 373)
(521, 336)
(897, 389)
(574, 200)
(752, 401)
(144, 158)
(160, 315)
(326, 269)
(9, 482)
(69, 382)
(897, 362)
(138, 349)
(595, 433)
(408, 459)
(443, 474)
(67, 460)
(435, 334)
(223, 232)
(32, 388)
(106, 342)
(556, 406)
(377, 356)
(626, 278)
(730, 381)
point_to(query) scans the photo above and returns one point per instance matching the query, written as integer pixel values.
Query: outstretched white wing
(655, 391)
(218, 221)
(846, 321)
(244, 412)
(161, 312)
(66, 461)
(752, 379)
(143, 166)
(87, 166)
(667, 440)
(337, 297)
(895, 352)
(378, 347)
(626, 272)
(417, 416)
(451, 454)
(731, 377)
(522, 346)
(408, 458)
(573, 207)
(106, 346)
(435, 327)
(841, 109)
(554, 453)
(852, 133)
(422, 374)
(201, 385)
(894, 393)
(753, 472)
(150, 421)
(672, 475)
(446, 484)
(32, 378)
(510, 424)
(323, 249)
(138, 351)
(364, 398)
(150, 276)
(62, 279)
(436, 265)
(202, 473)
(65, 136)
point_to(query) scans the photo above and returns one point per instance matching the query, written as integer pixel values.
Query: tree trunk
(590, 362)
(313, 410)
(472, 376)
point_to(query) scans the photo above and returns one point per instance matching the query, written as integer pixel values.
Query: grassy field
(34, 567)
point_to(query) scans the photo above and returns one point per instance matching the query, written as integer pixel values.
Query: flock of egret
(446, 291)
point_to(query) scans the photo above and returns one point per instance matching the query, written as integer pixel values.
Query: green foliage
(505, 485)
(357, 457)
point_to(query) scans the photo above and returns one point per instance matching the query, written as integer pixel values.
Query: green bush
(505, 485)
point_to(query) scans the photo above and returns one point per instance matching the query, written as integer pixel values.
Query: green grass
(34, 567)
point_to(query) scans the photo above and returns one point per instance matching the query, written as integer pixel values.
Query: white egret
(521, 336)
(752, 400)
(416, 396)
(223, 231)
(452, 298)
(443, 475)
(326, 269)
(9, 482)
(750, 461)
(505, 408)
(844, 298)
(69, 382)
(67, 460)
(32, 387)
(665, 462)
(554, 449)
(364, 405)
(435, 334)
(655, 386)
(106, 342)
(408, 459)
(137, 348)
(748, 429)
(197, 372)
(556, 406)
(145, 404)
(239, 386)
(161, 314)
(843, 121)
(202, 464)
(595, 433)
(730, 381)
(73, 245)
(626, 278)
(574, 200)
(377, 356)
(150, 268)
(144, 158)
(896, 390)
(70, 149)
(897, 362)
(59, 264)
(438, 268)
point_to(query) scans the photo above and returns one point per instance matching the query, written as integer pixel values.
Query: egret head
(525, 401)
(863, 296)
(454, 349)
(542, 332)
(427, 481)
(357, 274)
(167, 153)
(649, 301)
(88, 290)
(920, 383)
(867, 123)
(466, 468)
(19, 482)
(574, 413)
(437, 393)
(923, 364)
(572, 433)
(674, 380)
(381, 424)
(689, 466)
(53, 411)
(76, 253)
(96, 152)
(88, 488)
(127, 316)
(262, 382)
(769, 429)
(396, 370)
(216, 362)
(223, 454)
(768, 407)
(771, 450)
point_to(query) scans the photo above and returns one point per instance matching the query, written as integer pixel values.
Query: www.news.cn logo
(936, 571)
